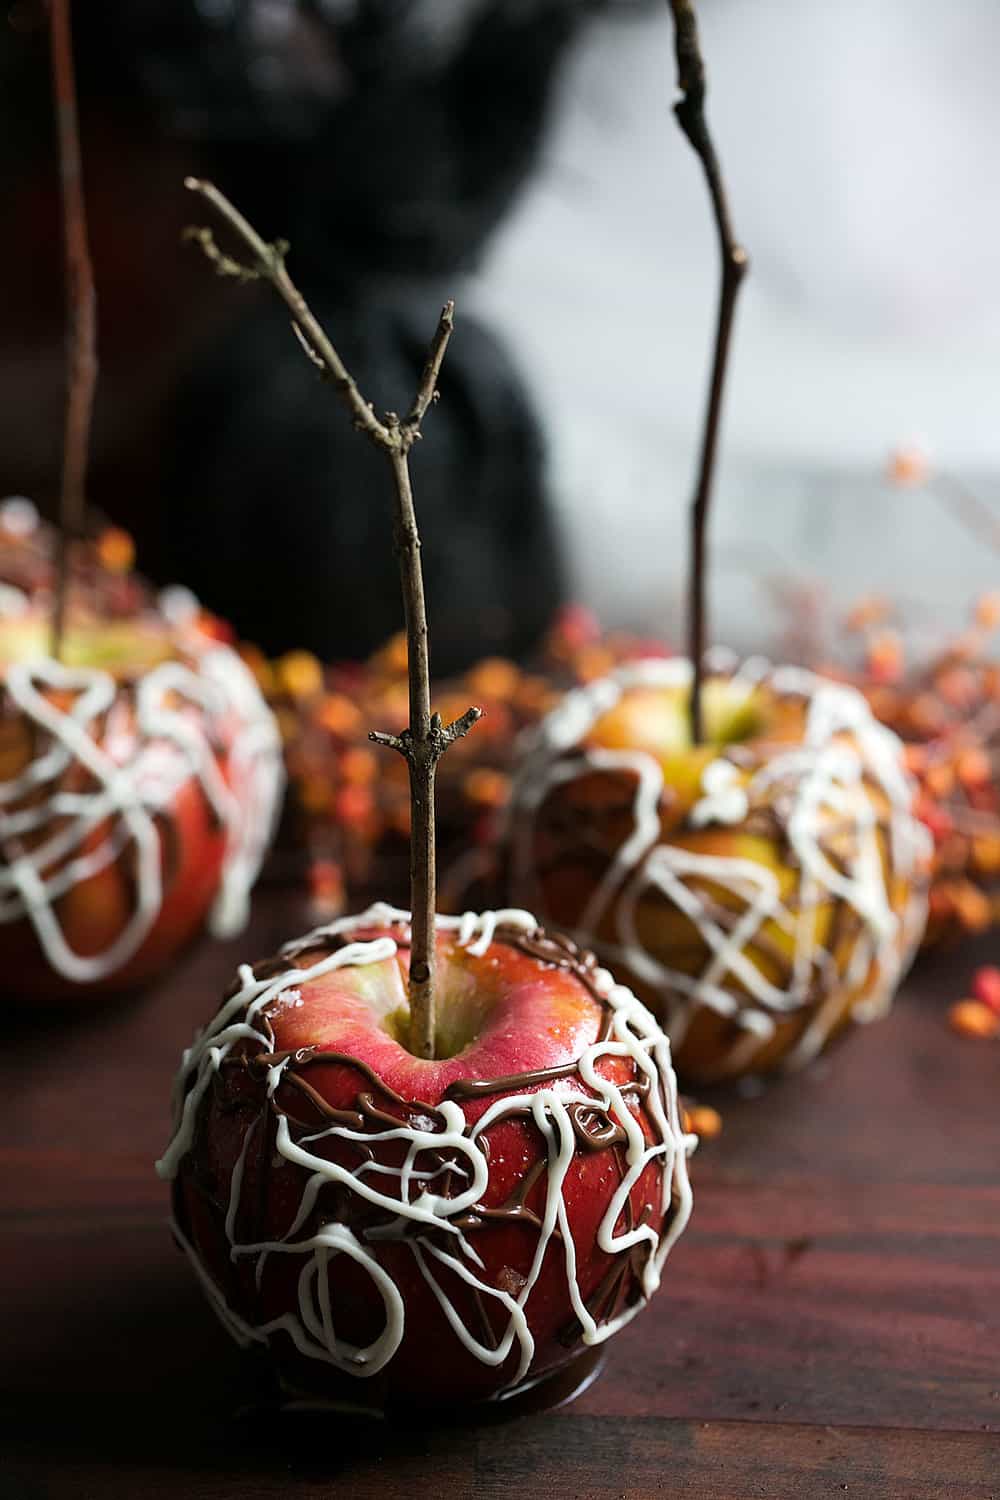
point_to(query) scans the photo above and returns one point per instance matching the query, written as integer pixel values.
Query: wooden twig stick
(426, 739)
(690, 112)
(81, 308)
(267, 262)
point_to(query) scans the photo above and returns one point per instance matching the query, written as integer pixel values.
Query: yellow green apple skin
(758, 890)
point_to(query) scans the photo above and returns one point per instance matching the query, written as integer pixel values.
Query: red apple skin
(538, 1016)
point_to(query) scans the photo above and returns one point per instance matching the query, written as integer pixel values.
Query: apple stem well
(81, 306)
(690, 112)
(426, 739)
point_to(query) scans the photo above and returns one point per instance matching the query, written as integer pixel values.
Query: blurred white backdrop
(861, 145)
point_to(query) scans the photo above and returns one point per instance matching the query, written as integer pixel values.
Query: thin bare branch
(391, 741)
(460, 727)
(426, 739)
(224, 264)
(268, 260)
(81, 306)
(427, 390)
(690, 112)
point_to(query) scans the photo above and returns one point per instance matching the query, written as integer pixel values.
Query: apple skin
(515, 1014)
(194, 843)
(573, 814)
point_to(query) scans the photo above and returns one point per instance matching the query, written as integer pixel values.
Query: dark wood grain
(829, 1324)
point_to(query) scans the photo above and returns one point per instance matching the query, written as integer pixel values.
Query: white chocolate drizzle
(844, 753)
(132, 769)
(418, 1216)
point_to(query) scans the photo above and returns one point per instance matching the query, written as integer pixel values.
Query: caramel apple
(423, 1160)
(399, 1230)
(140, 777)
(757, 889)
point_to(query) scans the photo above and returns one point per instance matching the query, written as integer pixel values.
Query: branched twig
(426, 739)
(224, 264)
(81, 305)
(427, 389)
(440, 737)
(267, 262)
(690, 112)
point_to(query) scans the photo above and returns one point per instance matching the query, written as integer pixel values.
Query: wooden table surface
(829, 1324)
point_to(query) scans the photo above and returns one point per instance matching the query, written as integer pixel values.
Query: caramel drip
(480, 1088)
(514, 1210)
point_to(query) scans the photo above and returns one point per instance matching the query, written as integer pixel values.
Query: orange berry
(300, 674)
(909, 464)
(705, 1122)
(116, 550)
(493, 678)
(986, 854)
(940, 779)
(987, 611)
(487, 788)
(973, 766)
(338, 715)
(358, 766)
(972, 907)
(974, 1019)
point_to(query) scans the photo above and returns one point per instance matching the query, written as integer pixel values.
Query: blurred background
(520, 156)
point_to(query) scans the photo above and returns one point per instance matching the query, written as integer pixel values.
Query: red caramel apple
(758, 889)
(139, 781)
(399, 1230)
